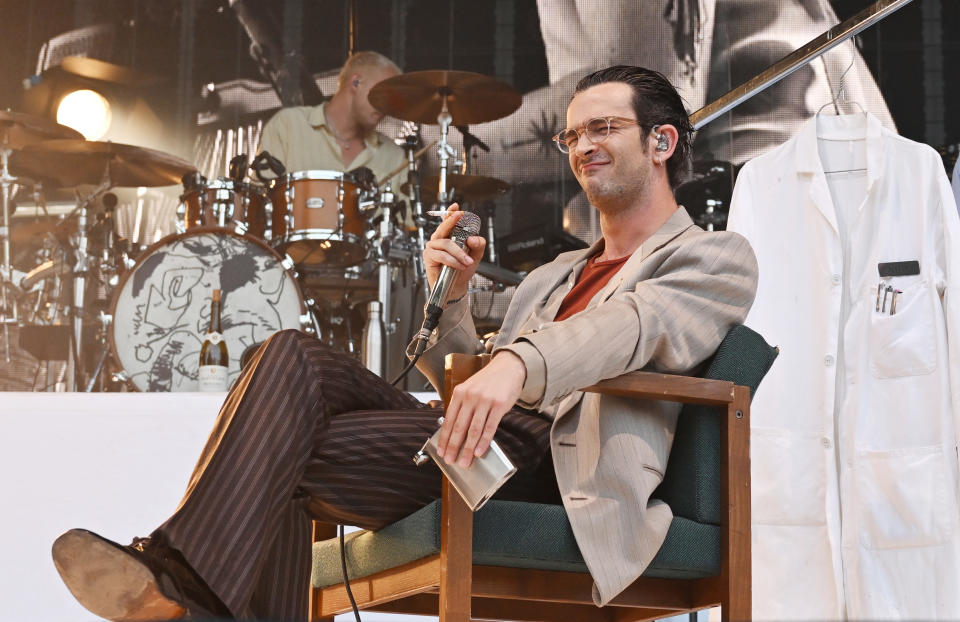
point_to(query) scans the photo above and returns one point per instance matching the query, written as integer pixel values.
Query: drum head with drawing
(162, 308)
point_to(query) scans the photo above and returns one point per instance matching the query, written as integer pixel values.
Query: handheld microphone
(468, 225)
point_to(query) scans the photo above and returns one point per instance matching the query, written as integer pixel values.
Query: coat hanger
(841, 98)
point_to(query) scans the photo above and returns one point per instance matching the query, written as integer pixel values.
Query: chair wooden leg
(456, 556)
(738, 599)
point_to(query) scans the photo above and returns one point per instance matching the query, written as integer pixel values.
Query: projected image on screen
(542, 47)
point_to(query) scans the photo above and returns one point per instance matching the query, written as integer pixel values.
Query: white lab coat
(854, 430)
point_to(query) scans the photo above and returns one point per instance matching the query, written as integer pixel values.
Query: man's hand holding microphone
(476, 405)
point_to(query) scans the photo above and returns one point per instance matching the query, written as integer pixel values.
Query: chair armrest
(638, 384)
(653, 386)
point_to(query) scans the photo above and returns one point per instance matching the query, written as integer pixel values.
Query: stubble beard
(615, 196)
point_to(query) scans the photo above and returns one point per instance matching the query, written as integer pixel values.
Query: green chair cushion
(691, 483)
(511, 534)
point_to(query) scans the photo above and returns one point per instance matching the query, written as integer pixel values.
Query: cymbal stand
(413, 178)
(82, 265)
(469, 142)
(491, 209)
(444, 153)
(8, 310)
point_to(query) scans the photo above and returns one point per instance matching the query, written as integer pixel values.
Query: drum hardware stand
(444, 152)
(470, 141)
(82, 265)
(8, 310)
(308, 321)
(379, 325)
(413, 178)
(490, 208)
(105, 321)
(710, 213)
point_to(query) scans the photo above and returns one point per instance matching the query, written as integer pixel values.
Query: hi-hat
(467, 187)
(419, 95)
(18, 129)
(75, 162)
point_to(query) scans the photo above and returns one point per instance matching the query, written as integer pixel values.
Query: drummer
(339, 134)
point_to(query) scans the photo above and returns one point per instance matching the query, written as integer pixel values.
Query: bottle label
(213, 338)
(213, 378)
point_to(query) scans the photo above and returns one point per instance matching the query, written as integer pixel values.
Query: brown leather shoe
(147, 580)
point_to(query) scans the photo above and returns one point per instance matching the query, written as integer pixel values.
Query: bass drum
(161, 308)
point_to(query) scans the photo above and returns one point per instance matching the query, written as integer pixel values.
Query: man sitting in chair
(308, 433)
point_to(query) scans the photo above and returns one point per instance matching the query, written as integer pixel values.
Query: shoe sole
(109, 582)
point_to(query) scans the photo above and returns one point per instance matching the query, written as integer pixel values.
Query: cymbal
(107, 72)
(469, 187)
(418, 96)
(18, 129)
(75, 162)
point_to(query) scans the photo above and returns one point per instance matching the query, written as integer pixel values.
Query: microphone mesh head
(469, 224)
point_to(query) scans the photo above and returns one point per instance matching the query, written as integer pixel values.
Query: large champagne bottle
(214, 361)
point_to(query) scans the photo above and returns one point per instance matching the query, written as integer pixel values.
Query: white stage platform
(115, 463)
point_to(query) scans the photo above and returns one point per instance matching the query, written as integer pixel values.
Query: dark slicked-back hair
(655, 102)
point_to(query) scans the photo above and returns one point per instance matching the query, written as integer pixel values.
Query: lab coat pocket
(788, 477)
(905, 498)
(904, 344)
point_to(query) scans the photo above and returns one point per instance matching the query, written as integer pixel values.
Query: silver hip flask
(478, 482)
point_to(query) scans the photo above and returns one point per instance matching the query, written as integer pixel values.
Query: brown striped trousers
(308, 433)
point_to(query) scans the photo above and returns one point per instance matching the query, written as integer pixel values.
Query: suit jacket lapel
(678, 222)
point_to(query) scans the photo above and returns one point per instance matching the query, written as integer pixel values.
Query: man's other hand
(476, 407)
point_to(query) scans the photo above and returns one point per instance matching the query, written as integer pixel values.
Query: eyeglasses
(597, 131)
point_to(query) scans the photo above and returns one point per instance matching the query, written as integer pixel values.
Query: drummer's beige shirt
(301, 139)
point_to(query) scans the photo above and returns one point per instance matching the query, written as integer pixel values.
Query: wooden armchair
(520, 561)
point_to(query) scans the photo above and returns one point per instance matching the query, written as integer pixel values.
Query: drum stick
(416, 156)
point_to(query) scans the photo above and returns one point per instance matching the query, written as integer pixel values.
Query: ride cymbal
(418, 96)
(75, 162)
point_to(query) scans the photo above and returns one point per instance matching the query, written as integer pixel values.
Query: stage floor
(115, 463)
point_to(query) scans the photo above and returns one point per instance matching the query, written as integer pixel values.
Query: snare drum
(316, 218)
(224, 203)
(161, 307)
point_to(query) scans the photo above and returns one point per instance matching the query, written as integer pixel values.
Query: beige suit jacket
(666, 310)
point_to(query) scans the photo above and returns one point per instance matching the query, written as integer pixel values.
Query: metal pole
(8, 308)
(797, 60)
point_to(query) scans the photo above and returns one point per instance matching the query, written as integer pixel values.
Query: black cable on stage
(346, 579)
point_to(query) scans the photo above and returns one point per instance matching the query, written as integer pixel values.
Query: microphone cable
(346, 579)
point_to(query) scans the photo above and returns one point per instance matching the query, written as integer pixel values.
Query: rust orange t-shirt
(592, 279)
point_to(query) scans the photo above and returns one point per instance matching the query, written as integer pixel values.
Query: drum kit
(135, 316)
